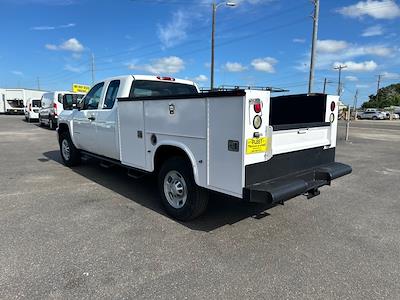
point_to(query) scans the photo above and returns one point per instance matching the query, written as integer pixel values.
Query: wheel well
(62, 128)
(165, 152)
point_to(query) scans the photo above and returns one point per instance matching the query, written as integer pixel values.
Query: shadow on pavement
(222, 210)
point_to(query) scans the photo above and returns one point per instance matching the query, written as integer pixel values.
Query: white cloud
(378, 9)
(51, 47)
(41, 28)
(164, 65)
(297, 40)
(201, 78)
(326, 59)
(18, 73)
(389, 75)
(175, 31)
(351, 78)
(373, 31)
(69, 25)
(234, 67)
(265, 64)
(362, 86)
(72, 45)
(331, 46)
(366, 66)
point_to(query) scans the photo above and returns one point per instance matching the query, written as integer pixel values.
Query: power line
(222, 44)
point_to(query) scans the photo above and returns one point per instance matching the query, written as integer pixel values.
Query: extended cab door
(84, 120)
(106, 123)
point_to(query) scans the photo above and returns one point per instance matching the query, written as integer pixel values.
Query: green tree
(387, 96)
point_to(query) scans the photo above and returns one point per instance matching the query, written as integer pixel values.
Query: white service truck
(242, 143)
(16, 99)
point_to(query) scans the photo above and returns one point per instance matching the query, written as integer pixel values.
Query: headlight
(257, 121)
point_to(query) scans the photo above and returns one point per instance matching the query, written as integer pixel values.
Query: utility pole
(93, 69)
(378, 87)
(349, 115)
(38, 83)
(355, 105)
(326, 81)
(214, 10)
(340, 67)
(313, 45)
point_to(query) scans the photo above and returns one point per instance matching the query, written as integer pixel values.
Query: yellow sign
(80, 88)
(256, 145)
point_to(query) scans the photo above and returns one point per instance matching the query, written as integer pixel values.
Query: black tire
(51, 124)
(196, 199)
(374, 118)
(40, 122)
(74, 157)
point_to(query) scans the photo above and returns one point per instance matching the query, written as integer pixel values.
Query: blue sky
(259, 42)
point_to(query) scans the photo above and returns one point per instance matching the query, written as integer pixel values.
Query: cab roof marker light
(166, 78)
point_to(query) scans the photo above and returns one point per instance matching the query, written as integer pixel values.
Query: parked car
(52, 106)
(395, 116)
(372, 115)
(32, 109)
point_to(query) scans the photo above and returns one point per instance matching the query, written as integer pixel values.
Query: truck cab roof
(151, 78)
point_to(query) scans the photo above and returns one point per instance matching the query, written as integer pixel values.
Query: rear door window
(111, 94)
(147, 88)
(36, 103)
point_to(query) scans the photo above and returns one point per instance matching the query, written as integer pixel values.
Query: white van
(32, 109)
(52, 106)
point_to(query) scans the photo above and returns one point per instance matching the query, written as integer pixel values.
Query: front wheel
(69, 154)
(181, 197)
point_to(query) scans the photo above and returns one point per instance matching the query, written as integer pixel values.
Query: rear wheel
(69, 154)
(180, 195)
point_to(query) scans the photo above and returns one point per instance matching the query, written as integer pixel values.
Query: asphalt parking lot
(92, 232)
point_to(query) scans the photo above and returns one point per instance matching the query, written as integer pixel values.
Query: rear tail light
(55, 108)
(30, 107)
(333, 105)
(257, 107)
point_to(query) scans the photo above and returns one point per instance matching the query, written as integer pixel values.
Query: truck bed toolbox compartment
(289, 175)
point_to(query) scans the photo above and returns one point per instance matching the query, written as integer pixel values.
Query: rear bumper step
(286, 187)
